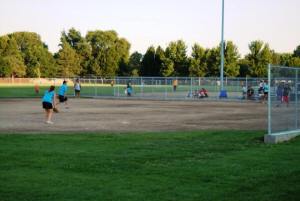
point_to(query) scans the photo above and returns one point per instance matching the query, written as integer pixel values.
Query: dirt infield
(27, 116)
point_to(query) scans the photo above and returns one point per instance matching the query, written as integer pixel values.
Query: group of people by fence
(262, 93)
(282, 93)
(283, 90)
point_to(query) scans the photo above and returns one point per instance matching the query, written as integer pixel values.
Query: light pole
(223, 93)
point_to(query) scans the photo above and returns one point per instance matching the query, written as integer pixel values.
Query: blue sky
(157, 22)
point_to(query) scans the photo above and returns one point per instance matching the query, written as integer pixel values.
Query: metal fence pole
(191, 90)
(113, 83)
(95, 87)
(118, 87)
(296, 98)
(152, 84)
(166, 90)
(269, 100)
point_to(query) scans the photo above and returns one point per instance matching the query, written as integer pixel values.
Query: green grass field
(150, 166)
(100, 90)
(23, 91)
(28, 91)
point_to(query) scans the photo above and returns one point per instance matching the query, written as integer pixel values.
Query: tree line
(104, 53)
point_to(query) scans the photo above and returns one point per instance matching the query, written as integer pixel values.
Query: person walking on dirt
(49, 103)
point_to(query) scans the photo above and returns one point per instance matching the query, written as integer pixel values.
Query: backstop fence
(283, 102)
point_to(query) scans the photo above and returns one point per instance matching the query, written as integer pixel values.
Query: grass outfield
(27, 91)
(158, 166)
(16, 91)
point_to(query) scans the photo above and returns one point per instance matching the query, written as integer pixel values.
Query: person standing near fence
(285, 94)
(129, 89)
(175, 84)
(261, 87)
(49, 103)
(244, 92)
(279, 93)
(36, 89)
(266, 91)
(77, 88)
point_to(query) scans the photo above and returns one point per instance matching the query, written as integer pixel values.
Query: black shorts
(77, 91)
(62, 98)
(266, 93)
(47, 105)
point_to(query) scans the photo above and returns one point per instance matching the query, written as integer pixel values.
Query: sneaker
(49, 122)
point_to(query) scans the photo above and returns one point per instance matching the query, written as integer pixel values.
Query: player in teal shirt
(49, 103)
(62, 93)
(266, 91)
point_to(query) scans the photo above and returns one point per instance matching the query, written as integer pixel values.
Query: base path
(27, 116)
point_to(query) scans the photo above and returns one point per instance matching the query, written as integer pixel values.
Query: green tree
(148, 62)
(122, 47)
(167, 68)
(176, 51)
(259, 57)
(11, 60)
(108, 51)
(135, 63)
(297, 51)
(12, 66)
(68, 61)
(244, 68)
(231, 55)
(285, 59)
(82, 48)
(198, 65)
(213, 61)
(73, 37)
(159, 61)
(37, 58)
(295, 62)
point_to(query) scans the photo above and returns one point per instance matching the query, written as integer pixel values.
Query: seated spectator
(203, 93)
(196, 94)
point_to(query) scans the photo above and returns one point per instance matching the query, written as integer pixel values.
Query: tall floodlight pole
(223, 93)
(222, 48)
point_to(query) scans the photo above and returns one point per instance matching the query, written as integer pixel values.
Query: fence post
(269, 100)
(114, 85)
(95, 86)
(166, 90)
(152, 84)
(191, 91)
(296, 98)
(117, 85)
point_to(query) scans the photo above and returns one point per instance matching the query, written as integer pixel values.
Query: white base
(281, 137)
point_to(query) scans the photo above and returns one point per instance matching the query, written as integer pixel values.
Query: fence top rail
(285, 67)
(141, 77)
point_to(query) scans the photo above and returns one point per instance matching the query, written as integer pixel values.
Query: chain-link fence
(146, 87)
(169, 87)
(284, 96)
